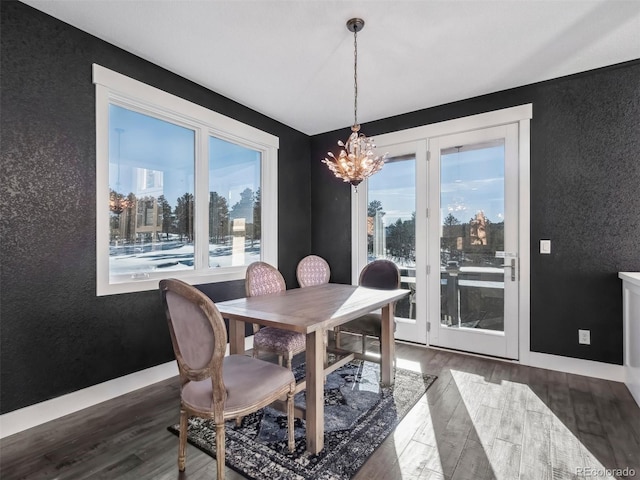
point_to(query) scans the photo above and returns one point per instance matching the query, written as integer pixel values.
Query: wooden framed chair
(213, 386)
(380, 274)
(262, 279)
(312, 270)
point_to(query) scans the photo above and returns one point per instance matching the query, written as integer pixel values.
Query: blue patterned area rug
(359, 415)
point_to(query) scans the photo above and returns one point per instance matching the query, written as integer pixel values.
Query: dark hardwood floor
(481, 419)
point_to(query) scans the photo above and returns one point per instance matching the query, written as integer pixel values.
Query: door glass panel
(472, 236)
(391, 225)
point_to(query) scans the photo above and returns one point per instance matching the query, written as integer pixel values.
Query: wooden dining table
(313, 311)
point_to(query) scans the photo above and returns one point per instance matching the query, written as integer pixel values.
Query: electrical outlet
(584, 337)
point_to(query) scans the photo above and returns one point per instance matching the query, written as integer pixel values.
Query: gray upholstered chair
(262, 279)
(380, 274)
(214, 386)
(312, 270)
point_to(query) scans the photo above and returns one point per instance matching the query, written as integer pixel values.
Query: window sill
(151, 283)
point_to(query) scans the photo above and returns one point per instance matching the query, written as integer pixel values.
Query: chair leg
(290, 419)
(220, 450)
(289, 359)
(182, 440)
(336, 336)
(364, 344)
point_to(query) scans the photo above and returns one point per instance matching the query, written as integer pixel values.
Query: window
(181, 191)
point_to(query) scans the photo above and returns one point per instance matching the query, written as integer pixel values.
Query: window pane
(151, 187)
(234, 204)
(391, 225)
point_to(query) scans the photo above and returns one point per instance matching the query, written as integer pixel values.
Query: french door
(473, 283)
(451, 209)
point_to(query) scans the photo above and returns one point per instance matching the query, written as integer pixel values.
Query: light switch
(545, 246)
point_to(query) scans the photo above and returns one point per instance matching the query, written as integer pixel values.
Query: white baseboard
(33, 415)
(27, 417)
(576, 366)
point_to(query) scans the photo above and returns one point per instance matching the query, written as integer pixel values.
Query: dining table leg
(387, 346)
(315, 391)
(236, 337)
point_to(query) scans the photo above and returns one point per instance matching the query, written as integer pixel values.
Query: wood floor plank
(536, 448)
(596, 451)
(561, 404)
(415, 458)
(618, 428)
(485, 426)
(566, 453)
(511, 426)
(382, 464)
(482, 419)
(441, 411)
(431, 475)
(505, 460)
(473, 463)
(586, 413)
(538, 391)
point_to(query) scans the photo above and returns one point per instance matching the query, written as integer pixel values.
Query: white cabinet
(631, 332)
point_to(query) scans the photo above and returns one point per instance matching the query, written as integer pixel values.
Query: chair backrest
(262, 278)
(380, 274)
(313, 270)
(198, 334)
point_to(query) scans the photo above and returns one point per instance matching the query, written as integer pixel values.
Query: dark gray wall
(585, 197)
(56, 335)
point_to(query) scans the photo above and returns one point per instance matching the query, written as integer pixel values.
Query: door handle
(512, 266)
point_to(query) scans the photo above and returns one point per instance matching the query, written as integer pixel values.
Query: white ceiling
(293, 60)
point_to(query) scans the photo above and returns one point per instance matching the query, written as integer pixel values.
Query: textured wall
(585, 197)
(56, 335)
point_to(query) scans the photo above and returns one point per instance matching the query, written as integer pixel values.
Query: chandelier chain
(355, 76)
(357, 160)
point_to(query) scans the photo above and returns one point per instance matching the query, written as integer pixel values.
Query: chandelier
(357, 159)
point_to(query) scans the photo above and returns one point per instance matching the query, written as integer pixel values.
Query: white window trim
(112, 87)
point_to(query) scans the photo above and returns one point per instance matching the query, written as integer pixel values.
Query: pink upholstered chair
(214, 386)
(313, 270)
(262, 279)
(380, 274)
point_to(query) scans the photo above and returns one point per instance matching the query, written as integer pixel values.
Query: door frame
(521, 115)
